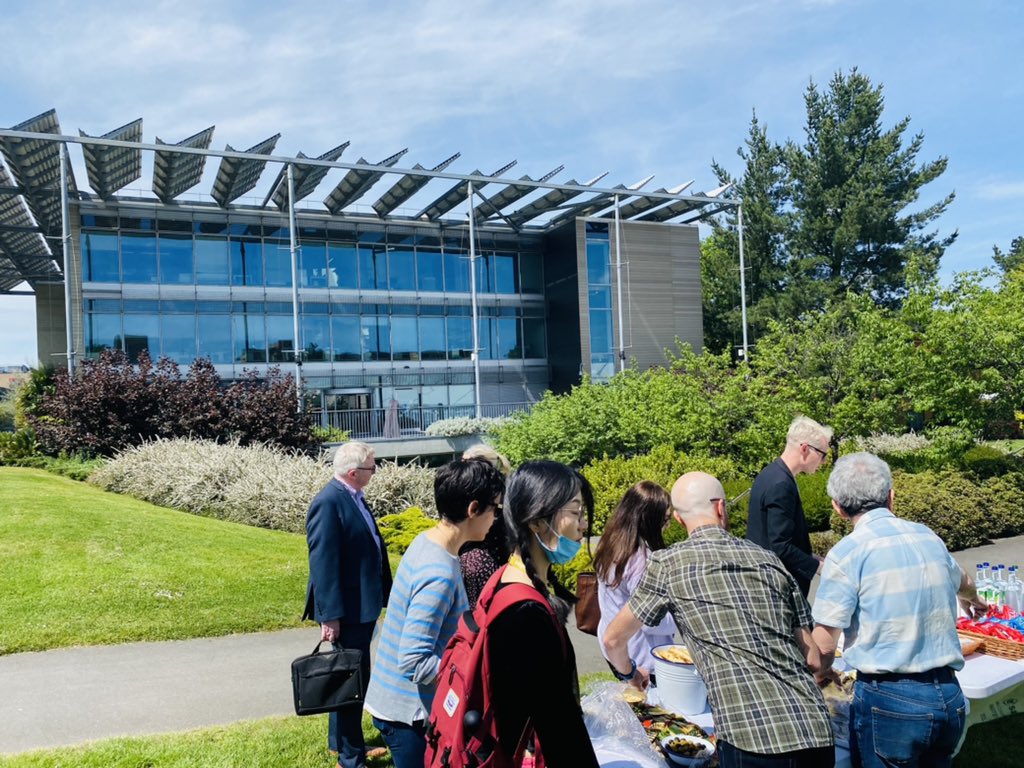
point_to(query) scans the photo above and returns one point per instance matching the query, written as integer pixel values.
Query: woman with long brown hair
(635, 529)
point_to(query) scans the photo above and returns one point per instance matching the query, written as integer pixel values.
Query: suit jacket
(349, 574)
(776, 522)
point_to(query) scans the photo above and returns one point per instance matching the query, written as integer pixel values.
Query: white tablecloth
(993, 686)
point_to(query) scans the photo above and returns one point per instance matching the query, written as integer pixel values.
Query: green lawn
(276, 742)
(82, 566)
(285, 742)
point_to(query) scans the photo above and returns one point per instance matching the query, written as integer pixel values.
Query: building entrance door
(351, 410)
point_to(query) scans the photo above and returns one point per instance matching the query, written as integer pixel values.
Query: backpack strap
(493, 602)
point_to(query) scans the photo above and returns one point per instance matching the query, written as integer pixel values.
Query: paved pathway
(68, 696)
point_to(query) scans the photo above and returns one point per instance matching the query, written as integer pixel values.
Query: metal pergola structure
(35, 197)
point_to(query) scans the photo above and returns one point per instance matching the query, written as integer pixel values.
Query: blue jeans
(408, 743)
(345, 727)
(906, 722)
(734, 757)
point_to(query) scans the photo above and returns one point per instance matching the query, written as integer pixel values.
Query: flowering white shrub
(464, 425)
(396, 487)
(880, 444)
(256, 485)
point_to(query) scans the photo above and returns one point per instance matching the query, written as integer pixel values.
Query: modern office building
(382, 308)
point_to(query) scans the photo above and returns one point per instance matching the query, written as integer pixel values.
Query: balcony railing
(409, 421)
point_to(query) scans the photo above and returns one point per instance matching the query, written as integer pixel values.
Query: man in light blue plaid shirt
(892, 586)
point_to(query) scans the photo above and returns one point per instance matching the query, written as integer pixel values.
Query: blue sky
(632, 87)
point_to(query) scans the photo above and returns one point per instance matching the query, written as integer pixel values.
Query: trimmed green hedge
(962, 511)
(399, 530)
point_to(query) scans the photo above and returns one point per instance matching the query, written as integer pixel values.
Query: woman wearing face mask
(635, 530)
(532, 661)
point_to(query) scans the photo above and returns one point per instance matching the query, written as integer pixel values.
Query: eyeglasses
(371, 470)
(498, 508)
(577, 508)
(817, 450)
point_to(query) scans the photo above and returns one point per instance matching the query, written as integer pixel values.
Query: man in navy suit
(776, 515)
(349, 578)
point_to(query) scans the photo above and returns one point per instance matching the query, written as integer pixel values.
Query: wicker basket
(994, 646)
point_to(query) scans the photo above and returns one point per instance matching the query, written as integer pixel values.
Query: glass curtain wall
(335, 327)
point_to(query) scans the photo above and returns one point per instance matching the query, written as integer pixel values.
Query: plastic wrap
(618, 737)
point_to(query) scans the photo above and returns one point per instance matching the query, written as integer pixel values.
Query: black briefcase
(328, 681)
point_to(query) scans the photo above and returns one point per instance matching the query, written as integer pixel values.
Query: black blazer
(776, 522)
(349, 575)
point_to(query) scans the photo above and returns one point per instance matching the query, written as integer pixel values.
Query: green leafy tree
(851, 183)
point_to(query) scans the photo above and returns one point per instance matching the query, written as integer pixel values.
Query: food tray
(995, 646)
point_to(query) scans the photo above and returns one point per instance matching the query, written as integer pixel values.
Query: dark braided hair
(536, 491)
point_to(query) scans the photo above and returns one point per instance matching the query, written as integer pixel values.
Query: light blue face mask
(564, 551)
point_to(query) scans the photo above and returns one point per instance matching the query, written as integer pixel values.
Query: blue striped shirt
(426, 601)
(891, 585)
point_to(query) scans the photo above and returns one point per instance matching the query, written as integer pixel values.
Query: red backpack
(462, 731)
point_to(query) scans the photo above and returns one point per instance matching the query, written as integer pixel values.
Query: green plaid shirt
(738, 608)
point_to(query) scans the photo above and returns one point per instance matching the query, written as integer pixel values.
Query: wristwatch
(624, 677)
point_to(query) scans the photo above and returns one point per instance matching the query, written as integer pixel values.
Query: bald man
(748, 627)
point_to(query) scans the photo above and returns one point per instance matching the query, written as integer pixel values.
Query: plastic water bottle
(999, 586)
(1013, 591)
(981, 581)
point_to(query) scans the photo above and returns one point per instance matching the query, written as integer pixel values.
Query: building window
(141, 332)
(246, 262)
(102, 331)
(375, 336)
(313, 266)
(456, 272)
(402, 270)
(99, 252)
(342, 267)
(316, 337)
(175, 259)
(138, 258)
(404, 340)
(211, 254)
(280, 341)
(248, 337)
(430, 270)
(214, 337)
(460, 337)
(505, 273)
(345, 338)
(178, 338)
(432, 343)
(278, 258)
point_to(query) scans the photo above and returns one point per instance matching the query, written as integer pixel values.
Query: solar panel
(357, 182)
(305, 178)
(177, 172)
(112, 168)
(407, 186)
(456, 195)
(236, 177)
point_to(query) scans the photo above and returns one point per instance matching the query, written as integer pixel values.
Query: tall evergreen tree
(851, 183)
(762, 190)
(1012, 259)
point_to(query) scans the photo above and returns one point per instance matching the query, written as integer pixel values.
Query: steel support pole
(618, 284)
(293, 245)
(743, 283)
(65, 238)
(472, 299)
